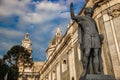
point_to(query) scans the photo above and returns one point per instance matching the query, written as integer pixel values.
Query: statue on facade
(90, 41)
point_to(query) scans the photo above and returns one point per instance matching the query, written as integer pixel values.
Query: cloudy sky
(39, 18)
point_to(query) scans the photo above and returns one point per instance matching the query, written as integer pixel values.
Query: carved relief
(98, 3)
(114, 11)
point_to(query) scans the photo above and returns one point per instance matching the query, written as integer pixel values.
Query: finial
(58, 31)
(71, 21)
(26, 36)
(68, 25)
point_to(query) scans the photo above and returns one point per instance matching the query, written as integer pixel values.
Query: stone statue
(90, 41)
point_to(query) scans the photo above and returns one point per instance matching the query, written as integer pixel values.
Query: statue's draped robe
(88, 36)
(89, 39)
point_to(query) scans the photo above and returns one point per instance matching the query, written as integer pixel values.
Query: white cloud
(45, 11)
(12, 7)
(10, 33)
(35, 18)
(49, 6)
(9, 38)
(40, 22)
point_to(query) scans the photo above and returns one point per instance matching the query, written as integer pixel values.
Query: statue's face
(89, 11)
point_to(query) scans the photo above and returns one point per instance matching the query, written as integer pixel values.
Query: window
(64, 65)
(54, 74)
(46, 77)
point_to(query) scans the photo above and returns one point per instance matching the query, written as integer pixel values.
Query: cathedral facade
(64, 59)
(28, 70)
(64, 55)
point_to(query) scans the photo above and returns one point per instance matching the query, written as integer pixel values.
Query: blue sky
(39, 18)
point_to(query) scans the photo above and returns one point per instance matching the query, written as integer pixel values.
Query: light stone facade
(64, 56)
(27, 72)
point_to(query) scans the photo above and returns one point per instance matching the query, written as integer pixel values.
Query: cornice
(114, 11)
(56, 52)
(100, 2)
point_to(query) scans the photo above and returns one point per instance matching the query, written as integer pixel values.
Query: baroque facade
(63, 53)
(28, 70)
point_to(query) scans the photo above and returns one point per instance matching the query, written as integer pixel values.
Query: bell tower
(25, 62)
(27, 43)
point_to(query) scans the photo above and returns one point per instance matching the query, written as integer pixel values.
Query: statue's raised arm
(72, 12)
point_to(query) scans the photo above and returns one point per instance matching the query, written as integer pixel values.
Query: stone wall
(107, 17)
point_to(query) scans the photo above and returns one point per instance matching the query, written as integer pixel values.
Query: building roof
(38, 66)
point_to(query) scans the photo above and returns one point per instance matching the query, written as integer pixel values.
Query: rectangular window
(64, 65)
(54, 74)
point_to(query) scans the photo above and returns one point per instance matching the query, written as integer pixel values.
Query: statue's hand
(71, 4)
(101, 38)
(71, 11)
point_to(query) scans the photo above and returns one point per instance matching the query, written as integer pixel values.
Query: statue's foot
(97, 72)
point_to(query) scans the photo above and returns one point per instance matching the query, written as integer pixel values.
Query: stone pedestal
(97, 77)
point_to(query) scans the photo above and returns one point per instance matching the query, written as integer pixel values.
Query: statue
(90, 41)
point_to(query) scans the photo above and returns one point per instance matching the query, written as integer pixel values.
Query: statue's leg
(85, 60)
(96, 61)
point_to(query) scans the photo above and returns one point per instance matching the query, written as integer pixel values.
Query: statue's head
(89, 11)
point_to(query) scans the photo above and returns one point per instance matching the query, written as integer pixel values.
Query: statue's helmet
(88, 10)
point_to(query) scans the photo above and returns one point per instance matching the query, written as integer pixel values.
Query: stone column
(71, 65)
(58, 71)
(49, 76)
